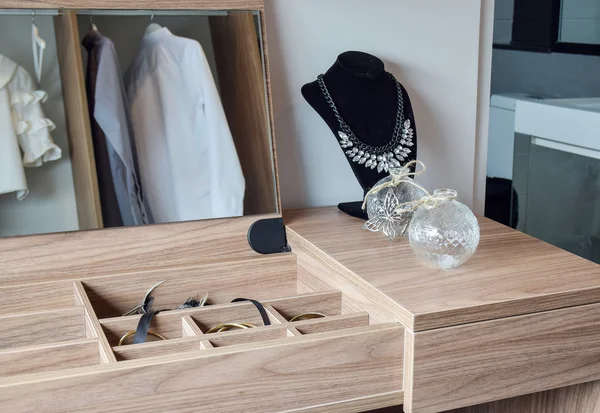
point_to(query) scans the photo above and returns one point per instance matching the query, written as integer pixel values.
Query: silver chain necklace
(382, 157)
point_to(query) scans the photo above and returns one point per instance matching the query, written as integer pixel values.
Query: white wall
(483, 109)
(503, 21)
(50, 206)
(580, 21)
(432, 46)
(545, 74)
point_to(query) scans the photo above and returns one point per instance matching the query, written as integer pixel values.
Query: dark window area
(536, 23)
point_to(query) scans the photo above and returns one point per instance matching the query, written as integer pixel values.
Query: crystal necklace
(382, 157)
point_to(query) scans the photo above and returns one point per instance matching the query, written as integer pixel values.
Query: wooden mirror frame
(235, 33)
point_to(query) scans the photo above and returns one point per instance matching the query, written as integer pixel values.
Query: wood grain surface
(314, 326)
(134, 4)
(286, 368)
(189, 328)
(325, 302)
(409, 364)
(92, 324)
(317, 325)
(510, 274)
(251, 336)
(156, 348)
(319, 272)
(169, 323)
(493, 360)
(33, 329)
(83, 162)
(85, 254)
(260, 278)
(331, 324)
(271, 111)
(277, 318)
(470, 347)
(237, 337)
(581, 398)
(241, 71)
(274, 316)
(361, 404)
(21, 298)
(50, 357)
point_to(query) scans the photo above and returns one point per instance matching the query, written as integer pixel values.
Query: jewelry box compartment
(330, 356)
(196, 328)
(43, 328)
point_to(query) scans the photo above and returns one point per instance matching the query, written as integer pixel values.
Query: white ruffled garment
(23, 128)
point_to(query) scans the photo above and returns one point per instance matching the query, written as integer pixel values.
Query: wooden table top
(510, 274)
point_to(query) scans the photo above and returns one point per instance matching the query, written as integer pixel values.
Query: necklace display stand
(373, 107)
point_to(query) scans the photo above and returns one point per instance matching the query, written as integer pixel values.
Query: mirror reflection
(120, 118)
(580, 21)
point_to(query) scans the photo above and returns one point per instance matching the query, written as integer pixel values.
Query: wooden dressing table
(510, 331)
(521, 317)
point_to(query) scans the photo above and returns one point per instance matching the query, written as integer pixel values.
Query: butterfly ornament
(391, 219)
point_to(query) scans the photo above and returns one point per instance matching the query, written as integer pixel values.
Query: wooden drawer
(470, 364)
(65, 356)
(475, 363)
(466, 364)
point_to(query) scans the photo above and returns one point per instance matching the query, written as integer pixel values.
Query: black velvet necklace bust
(367, 99)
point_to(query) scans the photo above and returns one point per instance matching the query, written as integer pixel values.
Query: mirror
(580, 21)
(132, 117)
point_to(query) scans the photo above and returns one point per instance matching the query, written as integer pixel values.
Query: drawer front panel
(283, 375)
(475, 363)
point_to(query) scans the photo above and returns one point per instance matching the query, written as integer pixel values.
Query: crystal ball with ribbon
(444, 232)
(384, 202)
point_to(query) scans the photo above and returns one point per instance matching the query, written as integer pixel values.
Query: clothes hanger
(93, 27)
(39, 45)
(152, 27)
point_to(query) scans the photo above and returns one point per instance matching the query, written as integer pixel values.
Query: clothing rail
(101, 12)
(28, 12)
(154, 13)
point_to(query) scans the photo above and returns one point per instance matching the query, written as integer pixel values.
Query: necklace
(382, 157)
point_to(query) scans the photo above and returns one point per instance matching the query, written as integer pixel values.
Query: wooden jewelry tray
(59, 344)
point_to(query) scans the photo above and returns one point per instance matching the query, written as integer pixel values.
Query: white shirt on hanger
(22, 124)
(188, 162)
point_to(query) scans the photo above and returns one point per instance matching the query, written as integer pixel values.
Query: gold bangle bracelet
(307, 316)
(228, 326)
(132, 333)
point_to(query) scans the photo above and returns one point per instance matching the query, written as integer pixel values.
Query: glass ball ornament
(444, 232)
(382, 205)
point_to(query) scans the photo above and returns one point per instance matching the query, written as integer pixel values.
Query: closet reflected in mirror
(112, 118)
